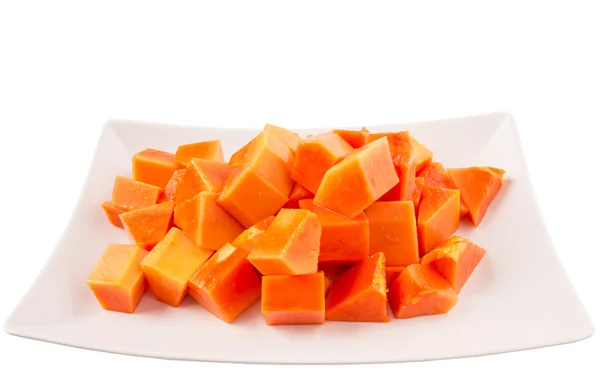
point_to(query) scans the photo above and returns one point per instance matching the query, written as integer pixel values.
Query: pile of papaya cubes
(340, 226)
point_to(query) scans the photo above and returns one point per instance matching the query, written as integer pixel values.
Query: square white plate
(518, 298)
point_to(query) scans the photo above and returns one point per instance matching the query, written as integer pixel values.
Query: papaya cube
(271, 159)
(404, 156)
(355, 138)
(455, 260)
(416, 195)
(298, 193)
(393, 231)
(439, 216)
(117, 280)
(170, 264)
(169, 192)
(289, 138)
(343, 240)
(112, 213)
(227, 284)
(208, 150)
(131, 194)
(205, 222)
(290, 245)
(358, 180)
(435, 175)
(359, 294)
(315, 156)
(250, 236)
(201, 175)
(154, 167)
(249, 197)
(424, 155)
(392, 273)
(147, 226)
(293, 299)
(420, 291)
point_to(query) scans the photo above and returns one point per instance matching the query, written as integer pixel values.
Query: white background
(67, 67)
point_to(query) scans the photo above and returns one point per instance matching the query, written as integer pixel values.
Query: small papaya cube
(359, 294)
(358, 180)
(392, 273)
(424, 155)
(147, 226)
(393, 231)
(478, 187)
(293, 299)
(343, 240)
(455, 260)
(227, 284)
(404, 155)
(315, 156)
(117, 280)
(207, 150)
(439, 216)
(435, 175)
(170, 264)
(420, 291)
(169, 193)
(289, 138)
(356, 138)
(416, 195)
(290, 245)
(201, 175)
(131, 194)
(112, 213)
(271, 159)
(298, 193)
(249, 197)
(205, 222)
(250, 236)
(154, 167)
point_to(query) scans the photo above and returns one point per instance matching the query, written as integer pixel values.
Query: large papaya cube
(205, 222)
(293, 299)
(201, 175)
(208, 150)
(131, 194)
(117, 280)
(227, 284)
(343, 240)
(250, 236)
(249, 197)
(147, 226)
(289, 138)
(290, 245)
(358, 180)
(315, 156)
(404, 155)
(170, 264)
(154, 167)
(271, 159)
(438, 219)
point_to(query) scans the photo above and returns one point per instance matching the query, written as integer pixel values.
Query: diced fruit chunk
(298, 193)
(289, 138)
(208, 150)
(201, 175)
(439, 215)
(290, 245)
(250, 236)
(154, 167)
(293, 299)
(131, 194)
(117, 280)
(205, 222)
(356, 138)
(315, 156)
(392, 273)
(359, 294)
(112, 213)
(435, 175)
(169, 192)
(343, 240)
(420, 291)
(170, 264)
(416, 195)
(358, 180)
(404, 155)
(393, 231)
(424, 155)
(147, 226)
(455, 260)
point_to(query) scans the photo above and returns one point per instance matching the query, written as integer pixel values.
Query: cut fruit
(435, 175)
(147, 226)
(201, 175)
(169, 192)
(356, 138)
(131, 194)
(404, 155)
(207, 150)
(416, 195)
(154, 167)
(250, 236)
(112, 213)
(424, 155)
(289, 138)
(392, 273)
(439, 216)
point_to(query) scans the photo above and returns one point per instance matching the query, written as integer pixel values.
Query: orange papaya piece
(478, 187)
(201, 175)
(343, 240)
(117, 280)
(290, 245)
(356, 138)
(455, 260)
(315, 156)
(435, 175)
(420, 291)
(404, 155)
(131, 194)
(298, 193)
(205, 222)
(439, 216)
(169, 193)
(250, 236)
(358, 180)
(289, 138)
(154, 167)
(393, 231)
(293, 299)
(249, 197)
(147, 226)
(227, 284)
(392, 273)
(112, 213)
(416, 195)
(359, 294)
(207, 150)
(170, 264)
(424, 155)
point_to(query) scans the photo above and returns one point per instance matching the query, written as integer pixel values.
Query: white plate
(518, 298)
